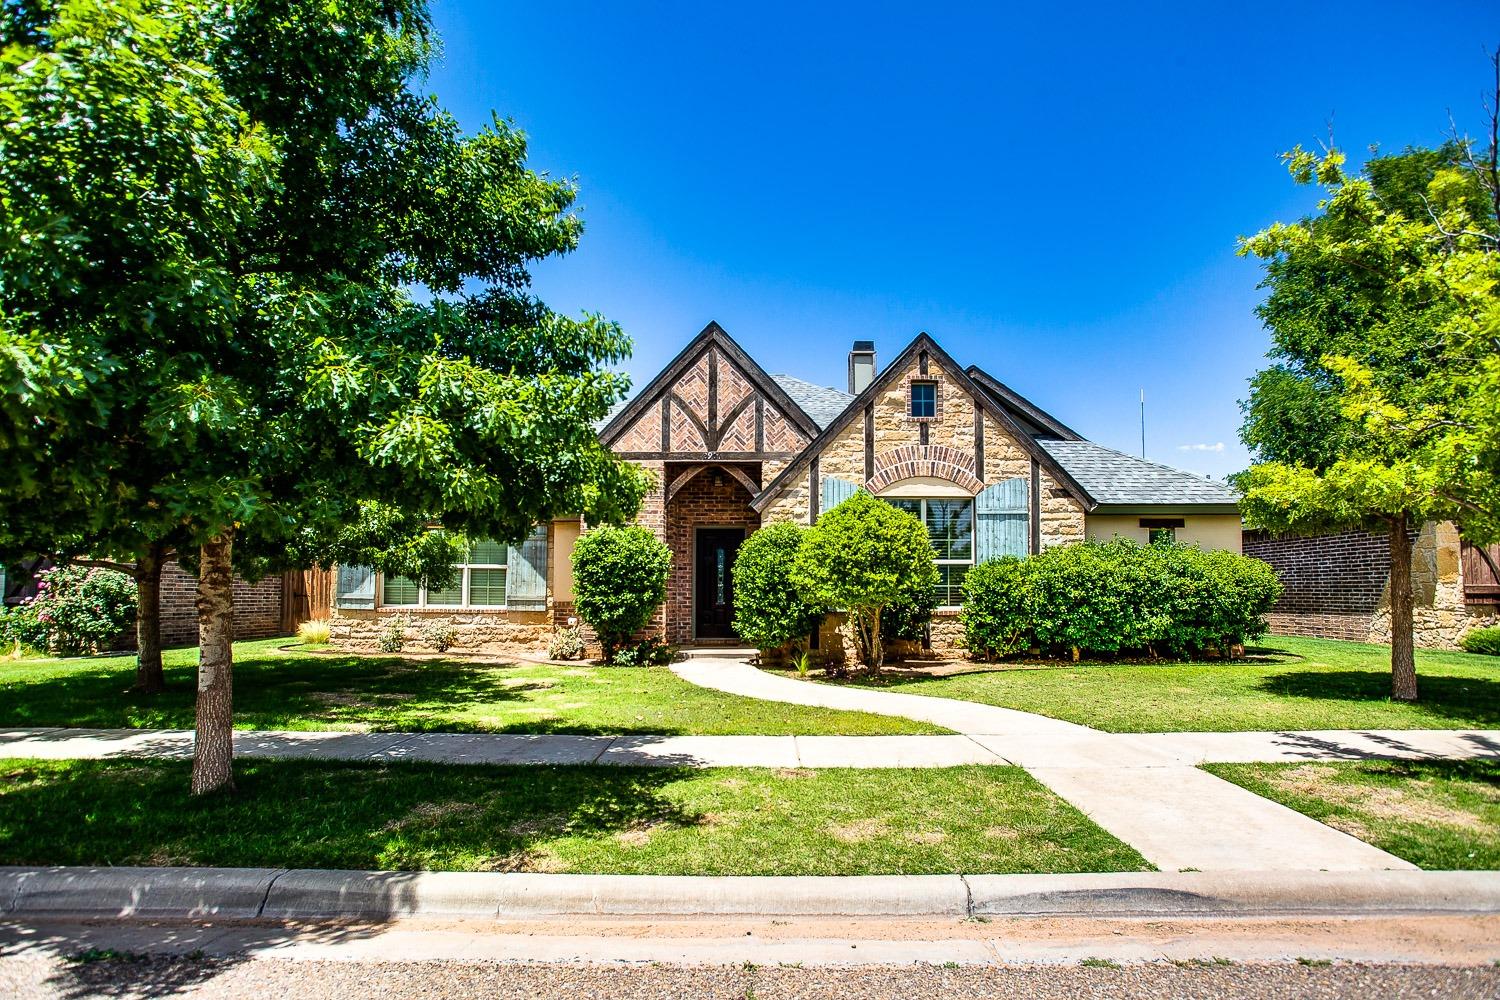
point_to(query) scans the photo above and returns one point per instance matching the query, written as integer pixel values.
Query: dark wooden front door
(713, 582)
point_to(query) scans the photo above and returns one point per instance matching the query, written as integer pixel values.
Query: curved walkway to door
(1177, 815)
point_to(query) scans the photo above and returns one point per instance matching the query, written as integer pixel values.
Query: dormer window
(924, 400)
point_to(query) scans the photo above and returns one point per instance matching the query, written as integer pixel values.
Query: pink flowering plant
(76, 610)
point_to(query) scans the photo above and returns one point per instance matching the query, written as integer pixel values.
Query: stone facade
(475, 630)
(900, 448)
(1337, 586)
(526, 632)
(1062, 516)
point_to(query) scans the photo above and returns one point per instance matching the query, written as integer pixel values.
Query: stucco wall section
(1209, 531)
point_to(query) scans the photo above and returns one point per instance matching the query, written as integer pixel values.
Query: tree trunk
(1403, 656)
(876, 648)
(213, 750)
(148, 672)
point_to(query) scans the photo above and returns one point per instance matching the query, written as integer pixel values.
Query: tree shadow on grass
(1473, 701)
(386, 821)
(280, 690)
(325, 814)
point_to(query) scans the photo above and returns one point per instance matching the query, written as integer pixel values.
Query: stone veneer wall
(477, 631)
(257, 608)
(1337, 586)
(950, 435)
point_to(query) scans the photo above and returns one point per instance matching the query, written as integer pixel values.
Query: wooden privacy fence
(306, 595)
(1481, 569)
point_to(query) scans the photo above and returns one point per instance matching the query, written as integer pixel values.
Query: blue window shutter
(1002, 516)
(836, 491)
(356, 587)
(526, 573)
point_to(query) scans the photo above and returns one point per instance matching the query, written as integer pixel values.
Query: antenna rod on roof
(1143, 422)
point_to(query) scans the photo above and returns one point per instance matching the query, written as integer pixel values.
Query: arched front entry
(708, 517)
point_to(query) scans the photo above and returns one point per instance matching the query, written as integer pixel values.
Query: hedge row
(1117, 597)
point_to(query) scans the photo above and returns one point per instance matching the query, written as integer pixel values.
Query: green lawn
(1292, 683)
(740, 821)
(276, 689)
(1435, 814)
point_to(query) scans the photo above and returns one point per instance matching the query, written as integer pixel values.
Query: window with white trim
(950, 525)
(480, 584)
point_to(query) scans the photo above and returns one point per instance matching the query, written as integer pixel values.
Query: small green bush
(440, 636)
(314, 633)
(769, 611)
(649, 652)
(865, 556)
(1115, 597)
(393, 636)
(77, 610)
(566, 644)
(619, 580)
(1485, 641)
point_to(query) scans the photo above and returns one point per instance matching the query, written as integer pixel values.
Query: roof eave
(1166, 508)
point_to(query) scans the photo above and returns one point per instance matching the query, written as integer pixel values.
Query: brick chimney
(861, 366)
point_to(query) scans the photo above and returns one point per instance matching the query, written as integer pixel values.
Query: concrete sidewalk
(1146, 791)
(1081, 749)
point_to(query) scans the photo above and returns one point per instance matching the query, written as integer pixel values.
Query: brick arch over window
(935, 461)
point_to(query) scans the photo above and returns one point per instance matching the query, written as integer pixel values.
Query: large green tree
(252, 283)
(1379, 410)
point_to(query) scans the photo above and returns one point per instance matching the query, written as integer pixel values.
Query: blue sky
(1053, 192)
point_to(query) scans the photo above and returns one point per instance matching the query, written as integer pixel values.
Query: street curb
(1235, 893)
(381, 895)
(310, 894)
(137, 892)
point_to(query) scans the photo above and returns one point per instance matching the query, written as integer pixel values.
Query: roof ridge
(816, 385)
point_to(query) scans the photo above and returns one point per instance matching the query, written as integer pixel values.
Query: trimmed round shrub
(769, 611)
(619, 580)
(1116, 597)
(864, 556)
(1485, 641)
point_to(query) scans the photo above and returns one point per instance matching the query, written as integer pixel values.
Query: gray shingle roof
(1113, 477)
(819, 402)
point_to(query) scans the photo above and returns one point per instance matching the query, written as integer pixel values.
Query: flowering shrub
(76, 610)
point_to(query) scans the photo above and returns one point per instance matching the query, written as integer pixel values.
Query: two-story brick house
(732, 447)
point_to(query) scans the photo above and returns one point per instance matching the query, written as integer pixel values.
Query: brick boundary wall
(1333, 583)
(257, 608)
